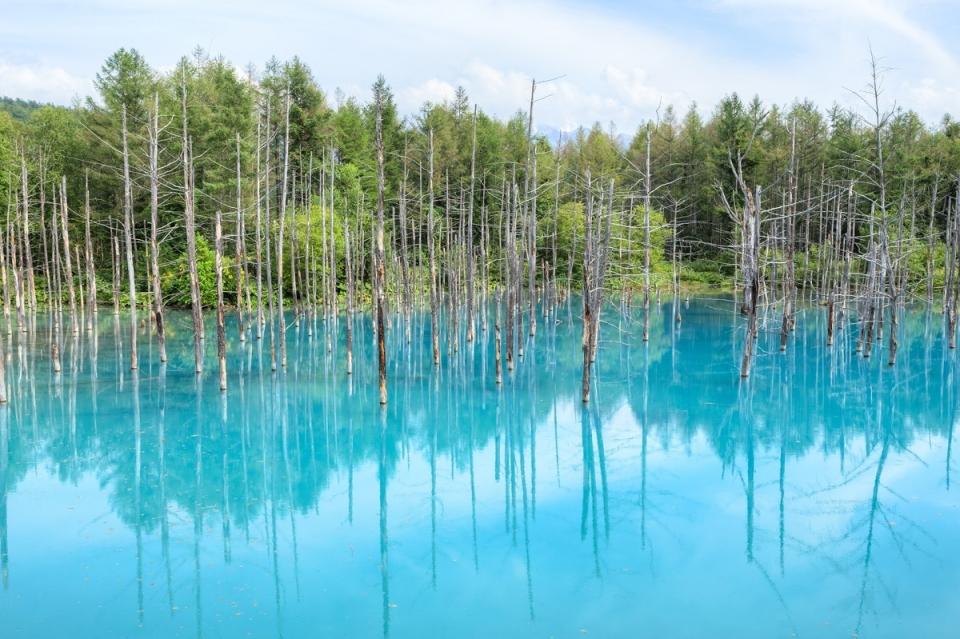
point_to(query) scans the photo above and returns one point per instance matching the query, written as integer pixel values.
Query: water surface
(814, 500)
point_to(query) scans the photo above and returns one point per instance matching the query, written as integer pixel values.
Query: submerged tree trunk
(259, 243)
(4, 267)
(596, 252)
(349, 320)
(115, 259)
(677, 317)
(283, 220)
(434, 302)
(751, 222)
(496, 343)
(221, 325)
(3, 372)
(240, 270)
(190, 223)
(379, 275)
(27, 253)
(267, 230)
(789, 286)
(468, 239)
(333, 243)
(55, 332)
(88, 246)
(530, 178)
(154, 229)
(586, 338)
(68, 261)
(647, 178)
(128, 241)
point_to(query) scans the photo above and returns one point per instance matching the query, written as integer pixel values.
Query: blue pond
(813, 500)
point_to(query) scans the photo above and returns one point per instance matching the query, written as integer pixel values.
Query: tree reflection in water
(837, 467)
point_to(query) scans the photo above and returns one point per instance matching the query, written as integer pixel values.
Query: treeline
(205, 186)
(331, 151)
(17, 108)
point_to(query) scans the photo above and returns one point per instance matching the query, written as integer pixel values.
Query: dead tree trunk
(308, 247)
(431, 241)
(3, 373)
(240, 269)
(221, 324)
(596, 252)
(530, 178)
(4, 268)
(154, 229)
(27, 253)
(553, 236)
(267, 230)
(498, 366)
(751, 269)
(894, 295)
(67, 258)
(407, 297)
(675, 257)
(586, 341)
(283, 219)
(510, 262)
(128, 241)
(91, 270)
(57, 293)
(950, 292)
(647, 179)
(333, 244)
(349, 275)
(789, 286)
(930, 241)
(325, 253)
(259, 243)
(115, 259)
(379, 275)
(190, 224)
(468, 240)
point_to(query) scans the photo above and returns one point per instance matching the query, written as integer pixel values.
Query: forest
(209, 187)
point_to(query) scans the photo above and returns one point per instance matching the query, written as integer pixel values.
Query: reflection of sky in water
(811, 501)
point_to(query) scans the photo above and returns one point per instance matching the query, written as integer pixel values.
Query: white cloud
(622, 69)
(634, 86)
(41, 82)
(566, 104)
(931, 96)
(618, 63)
(843, 15)
(433, 90)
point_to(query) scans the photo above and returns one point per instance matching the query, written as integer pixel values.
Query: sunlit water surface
(814, 500)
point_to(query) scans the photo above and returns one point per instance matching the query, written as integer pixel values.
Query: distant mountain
(17, 108)
(553, 134)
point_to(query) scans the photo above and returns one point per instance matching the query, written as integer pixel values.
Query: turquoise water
(814, 500)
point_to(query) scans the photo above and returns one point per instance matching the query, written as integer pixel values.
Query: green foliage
(308, 105)
(350, 133)
(18, 109)
(125, 80)
(320, 220)
(705, 274)
(690, 164)
(596, 151)
(57, 132)
(570, 233)
(8, 151)
(221, 109)
(175, 279)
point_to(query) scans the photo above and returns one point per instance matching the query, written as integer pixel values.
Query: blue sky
(620, 60)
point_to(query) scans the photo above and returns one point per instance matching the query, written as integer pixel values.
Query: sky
(619, 62)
